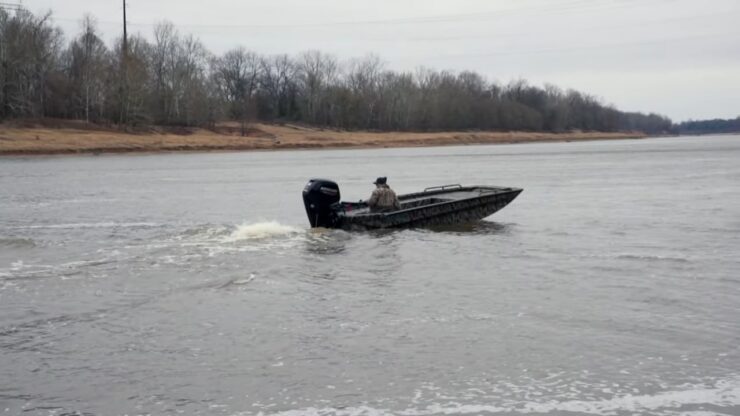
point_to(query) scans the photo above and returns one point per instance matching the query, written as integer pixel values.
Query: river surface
(190, 284)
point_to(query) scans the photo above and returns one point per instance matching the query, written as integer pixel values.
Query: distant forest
(174, 80)
(709, 126)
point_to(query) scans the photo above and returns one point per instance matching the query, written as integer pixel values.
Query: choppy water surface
(190, 284)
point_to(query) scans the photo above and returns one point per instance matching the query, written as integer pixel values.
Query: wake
(261, 231)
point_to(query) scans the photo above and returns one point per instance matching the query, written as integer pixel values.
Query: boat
(437, 205)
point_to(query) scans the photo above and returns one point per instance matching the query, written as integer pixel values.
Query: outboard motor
(318, 197)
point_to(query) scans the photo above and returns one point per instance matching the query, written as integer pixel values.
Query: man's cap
(381, 180)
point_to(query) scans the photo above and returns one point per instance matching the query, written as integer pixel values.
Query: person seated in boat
(383, 198)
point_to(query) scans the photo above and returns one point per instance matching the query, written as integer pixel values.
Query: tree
(88, 60)
(130, 85)
(279, 87)
(237, 76)
(363, 82)
(163, 55)
(316, 72)
(29, 54)
(179, 76)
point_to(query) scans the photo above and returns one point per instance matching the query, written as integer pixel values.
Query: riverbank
(78, 137)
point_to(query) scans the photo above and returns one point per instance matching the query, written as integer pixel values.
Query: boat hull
(480, 203)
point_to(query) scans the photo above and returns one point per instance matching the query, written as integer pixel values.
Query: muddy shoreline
(45, 140)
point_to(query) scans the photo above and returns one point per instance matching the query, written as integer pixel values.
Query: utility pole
(125, 32)
(123, 118)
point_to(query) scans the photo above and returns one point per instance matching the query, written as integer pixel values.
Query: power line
(569, 6)
(580, 48)
(17, 7)
(692, 18)
(562, 7)
(395, 39)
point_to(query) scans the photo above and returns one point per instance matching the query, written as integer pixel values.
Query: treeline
(175, 80)
(710, 126)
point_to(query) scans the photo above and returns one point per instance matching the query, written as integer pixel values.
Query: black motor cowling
(318, 196)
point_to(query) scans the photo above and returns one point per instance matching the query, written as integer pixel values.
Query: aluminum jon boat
(439, 205)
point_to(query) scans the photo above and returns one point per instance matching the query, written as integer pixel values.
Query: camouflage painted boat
(440, 205)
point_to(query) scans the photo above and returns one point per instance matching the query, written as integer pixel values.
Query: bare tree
(363, 80)
(88, 57)
(191, 98)
(165, 42)
(237, 75)
(316, 72)
(131, 106)
(278, 84)
(30, 53)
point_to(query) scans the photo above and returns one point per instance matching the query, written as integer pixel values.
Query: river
(190, 283)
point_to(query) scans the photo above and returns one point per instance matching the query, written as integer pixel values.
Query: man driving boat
(383, 198)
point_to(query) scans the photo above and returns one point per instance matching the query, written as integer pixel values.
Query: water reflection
(475, 228)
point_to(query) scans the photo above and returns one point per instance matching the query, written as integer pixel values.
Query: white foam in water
(261, 230)
(724, 393)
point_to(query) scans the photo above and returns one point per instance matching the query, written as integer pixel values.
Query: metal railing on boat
(443, 187)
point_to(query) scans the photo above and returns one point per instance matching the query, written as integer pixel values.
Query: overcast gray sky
(680, 58)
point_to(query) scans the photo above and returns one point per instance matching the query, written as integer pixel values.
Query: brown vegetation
(60, 137)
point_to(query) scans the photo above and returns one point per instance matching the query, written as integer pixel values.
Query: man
(383, 198)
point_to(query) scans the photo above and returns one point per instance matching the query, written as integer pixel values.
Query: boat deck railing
(443, 187)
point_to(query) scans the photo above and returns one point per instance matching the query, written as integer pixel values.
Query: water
(190, 284)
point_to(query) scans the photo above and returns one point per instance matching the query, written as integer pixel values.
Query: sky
(679, 58)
